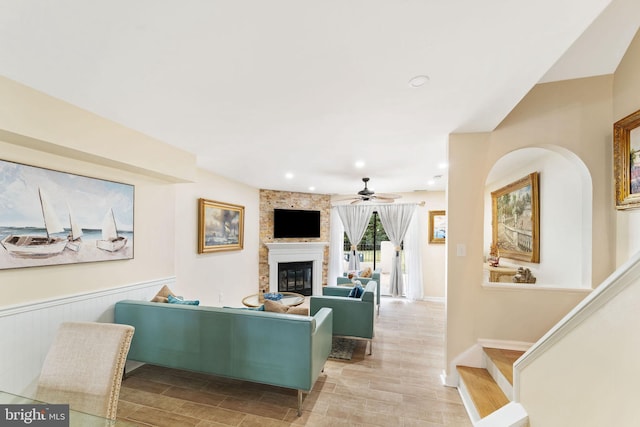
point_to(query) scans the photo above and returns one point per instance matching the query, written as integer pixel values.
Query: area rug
(342, 348)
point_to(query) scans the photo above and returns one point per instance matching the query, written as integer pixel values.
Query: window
(369, 247)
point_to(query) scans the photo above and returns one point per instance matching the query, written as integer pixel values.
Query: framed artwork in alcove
(516, 219)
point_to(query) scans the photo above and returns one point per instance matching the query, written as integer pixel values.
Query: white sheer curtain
(355, 220)
(395, 220)
(413, 258)
(336, 249)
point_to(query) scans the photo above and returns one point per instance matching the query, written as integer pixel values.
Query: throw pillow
(366, 272)
(261, 308)
(303, 311)
(277, 307)
(274, 306)
(356, 292)
(162, 295)
(173, 300)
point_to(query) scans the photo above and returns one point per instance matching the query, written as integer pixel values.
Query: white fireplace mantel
(296, 252)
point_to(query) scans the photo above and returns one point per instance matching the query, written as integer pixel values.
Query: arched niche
(565, 206)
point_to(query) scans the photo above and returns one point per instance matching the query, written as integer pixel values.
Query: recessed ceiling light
(359, 164)
(288, 175)
(312, 188)
(418, 81)
(443, 165)
(431, 182)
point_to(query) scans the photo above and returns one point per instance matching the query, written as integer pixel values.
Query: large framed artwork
(516, 219)
(220, 226)
(437, 226)
(626, 157)
(49, 217)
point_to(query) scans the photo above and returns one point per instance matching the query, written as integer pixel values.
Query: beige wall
(38, 130)
(218, 278)
(574, 115)
(626, 87)
(35, 120)
(589, 367)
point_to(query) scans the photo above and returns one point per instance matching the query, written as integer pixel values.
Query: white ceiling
(260, 88)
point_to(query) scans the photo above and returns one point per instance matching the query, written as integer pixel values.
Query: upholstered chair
(84, 367)
(375, 276)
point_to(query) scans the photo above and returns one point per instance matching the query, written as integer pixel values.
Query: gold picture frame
(437, 226)
(220, 226)
(516, 219)
(626, 161)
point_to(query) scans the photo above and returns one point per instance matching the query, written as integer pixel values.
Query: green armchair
(352, 317)
(375, 276)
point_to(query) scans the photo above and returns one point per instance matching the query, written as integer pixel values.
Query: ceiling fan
(367, 195)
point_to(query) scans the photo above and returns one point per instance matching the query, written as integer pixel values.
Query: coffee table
(289, 299)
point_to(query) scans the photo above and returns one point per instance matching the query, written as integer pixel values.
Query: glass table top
(43, 413)
(288, 298)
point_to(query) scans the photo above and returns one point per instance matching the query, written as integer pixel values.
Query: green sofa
(345, 281)
(285, 350)
(352, 317)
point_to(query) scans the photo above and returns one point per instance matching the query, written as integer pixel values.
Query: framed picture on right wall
(626, 161)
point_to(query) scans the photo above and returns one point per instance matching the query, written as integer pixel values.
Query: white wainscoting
(27, 330)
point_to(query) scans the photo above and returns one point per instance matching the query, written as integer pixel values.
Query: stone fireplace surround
(296, 252)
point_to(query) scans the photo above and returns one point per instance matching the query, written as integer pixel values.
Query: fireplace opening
(296, 277)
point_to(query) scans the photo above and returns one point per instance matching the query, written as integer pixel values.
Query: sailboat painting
(75, 233)
(36, 246)
(49, 217)
(110, 241)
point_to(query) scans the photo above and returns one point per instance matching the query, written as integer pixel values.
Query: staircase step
(504, 360)
(485, 393)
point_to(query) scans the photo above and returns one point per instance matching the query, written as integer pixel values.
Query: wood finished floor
(399, 385)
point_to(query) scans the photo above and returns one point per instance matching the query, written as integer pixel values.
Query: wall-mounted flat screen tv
(295, 223)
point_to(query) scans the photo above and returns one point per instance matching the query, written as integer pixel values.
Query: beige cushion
(304, 311)
(366, 272)
(163, 295)
(274, 306)
(277, 307)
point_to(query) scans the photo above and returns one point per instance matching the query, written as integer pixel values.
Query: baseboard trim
(440, 300)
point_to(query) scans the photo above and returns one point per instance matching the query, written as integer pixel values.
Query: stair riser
(497, 376)
(468, 402)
